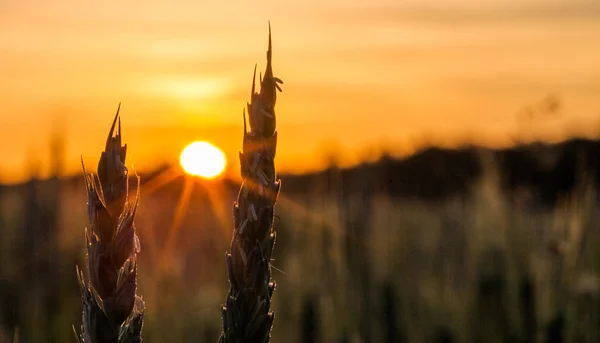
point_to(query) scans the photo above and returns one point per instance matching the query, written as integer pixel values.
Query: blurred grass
(353, 264)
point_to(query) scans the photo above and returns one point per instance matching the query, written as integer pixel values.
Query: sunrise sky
(360, 76)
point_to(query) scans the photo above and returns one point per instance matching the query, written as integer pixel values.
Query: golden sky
(359, 76)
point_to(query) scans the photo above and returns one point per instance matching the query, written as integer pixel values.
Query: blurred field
(445, 246)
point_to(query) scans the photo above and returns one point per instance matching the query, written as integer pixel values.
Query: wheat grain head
(247, 316)
(112, 312)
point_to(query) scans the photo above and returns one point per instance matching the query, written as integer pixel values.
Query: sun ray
(150, 231)
(217, 204)
(182, 205)
(161, 179)
(299, 209)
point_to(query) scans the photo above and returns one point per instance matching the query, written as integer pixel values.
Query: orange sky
(359, 76)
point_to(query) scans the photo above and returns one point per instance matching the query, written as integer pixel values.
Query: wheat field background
(439, 164)
(355, 262)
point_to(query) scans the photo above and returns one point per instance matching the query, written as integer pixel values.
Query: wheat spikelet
(247, 316)
(112, 312)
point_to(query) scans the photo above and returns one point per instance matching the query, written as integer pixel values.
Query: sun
(203, 159)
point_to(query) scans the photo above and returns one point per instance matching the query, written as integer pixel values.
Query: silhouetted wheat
(112, 312)
(246, 315)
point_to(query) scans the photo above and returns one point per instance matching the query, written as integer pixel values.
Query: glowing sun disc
(203, 159)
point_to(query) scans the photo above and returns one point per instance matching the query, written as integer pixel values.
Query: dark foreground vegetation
(469, 245)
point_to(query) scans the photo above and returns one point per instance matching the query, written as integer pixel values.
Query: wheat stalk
(112, 312)
(247, 316)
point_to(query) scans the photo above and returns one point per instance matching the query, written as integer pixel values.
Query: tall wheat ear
(247, 315)
(112, 312)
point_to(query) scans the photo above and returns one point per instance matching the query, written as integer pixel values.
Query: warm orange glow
(203, 159)
(382, 76)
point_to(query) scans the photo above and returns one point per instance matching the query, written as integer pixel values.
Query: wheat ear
(247, 315)
(112, 312)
